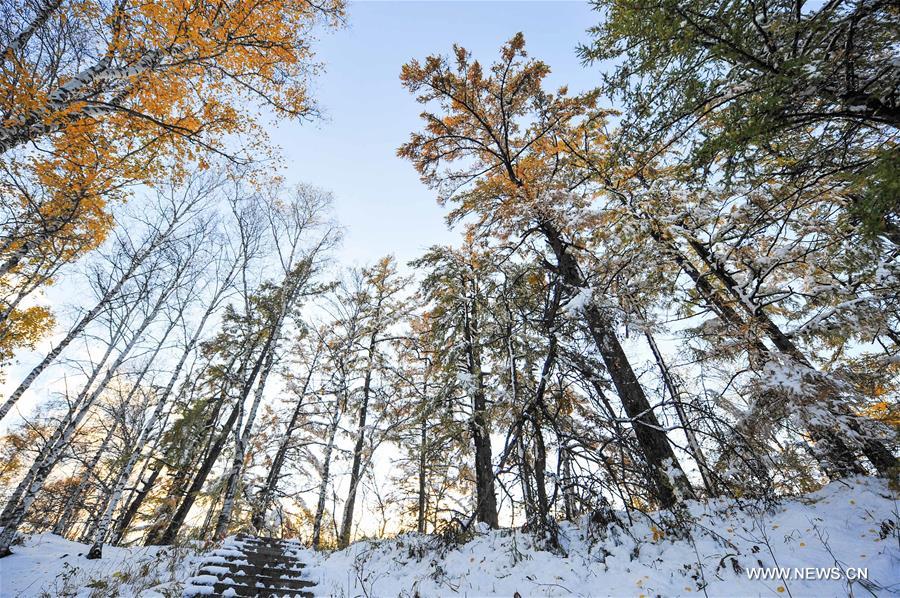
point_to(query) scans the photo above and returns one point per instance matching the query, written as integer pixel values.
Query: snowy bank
(818, 542)
(843, 526)
(48, 565)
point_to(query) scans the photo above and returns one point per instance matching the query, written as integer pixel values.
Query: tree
(506, 129)
(175, 206)
(784, 88)
(744, 249)
(378, 291)
(154, 297)
(300, 387)
(138, 75)
(152, 423)
(454, 288)
(330, 408)
(301, 234)
(430, 436)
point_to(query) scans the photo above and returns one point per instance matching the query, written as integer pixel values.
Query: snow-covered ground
(842, 527)
(47, 565)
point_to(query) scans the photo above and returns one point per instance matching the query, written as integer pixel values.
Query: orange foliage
(104, 95)
(23, 328)
(498, 144)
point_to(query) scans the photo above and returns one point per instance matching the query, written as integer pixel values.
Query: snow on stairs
(250, 566)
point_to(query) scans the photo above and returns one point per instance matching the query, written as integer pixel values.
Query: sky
(368, 115)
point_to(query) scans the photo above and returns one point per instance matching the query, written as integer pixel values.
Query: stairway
(249, 566)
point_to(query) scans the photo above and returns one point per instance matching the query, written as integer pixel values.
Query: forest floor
(46, 565)
(823, 537)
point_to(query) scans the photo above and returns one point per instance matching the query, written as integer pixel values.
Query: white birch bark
(14, 514)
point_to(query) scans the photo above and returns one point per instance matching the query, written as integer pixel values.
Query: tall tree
(300, 387)
(378, 289)
(301, 233)
(16, 508)
(175, 206)
(454, 288)
(506, 130)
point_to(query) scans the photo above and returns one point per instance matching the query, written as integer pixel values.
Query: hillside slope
(844, 526)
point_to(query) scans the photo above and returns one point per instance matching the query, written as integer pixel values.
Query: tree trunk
(215, 450)
(237, 465)
(326, 478)
(839, 452)
(540, 484)
(141, 487)
(182, 476)
(359, 445)
(569, 507)
(693, 444)
(134, 506)
(485, 495)
(197, 482)
(50, 445)
(651, 437)
(526, 472)
(422, 502)
(292, 283)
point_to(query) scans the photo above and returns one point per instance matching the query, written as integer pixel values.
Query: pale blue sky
(379, 198)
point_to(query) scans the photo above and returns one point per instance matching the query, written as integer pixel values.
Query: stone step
(261, 567)
(221, 589)
(261, 572)
(245, 586)
(246, 545)
(264, 539)
(258, 559)
(262, 583)
(267, 541)
(266, 550)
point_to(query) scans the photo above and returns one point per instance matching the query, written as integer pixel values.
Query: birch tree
(176, 206)
(15, 510)
(101, 96)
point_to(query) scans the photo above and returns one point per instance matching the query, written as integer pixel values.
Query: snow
(853, 524)
(580, 301)
(51, 564)
(846, 525)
